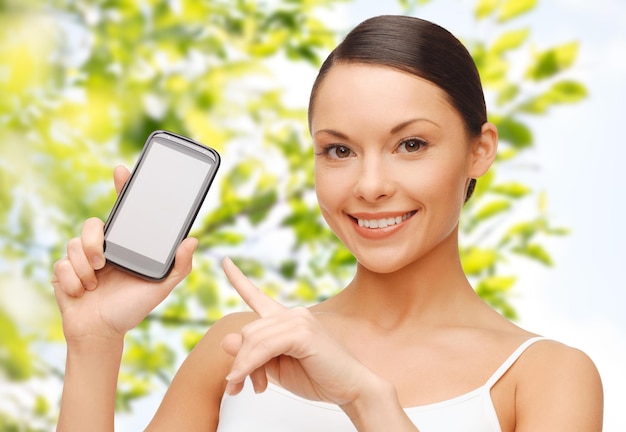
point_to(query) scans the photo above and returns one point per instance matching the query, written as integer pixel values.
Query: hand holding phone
(106, 301)
(103, 301)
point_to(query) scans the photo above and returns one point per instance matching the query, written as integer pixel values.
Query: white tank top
(278, 410)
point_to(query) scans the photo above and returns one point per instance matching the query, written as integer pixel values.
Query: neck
(432, 290)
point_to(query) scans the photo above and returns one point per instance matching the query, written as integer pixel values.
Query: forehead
(374, 94)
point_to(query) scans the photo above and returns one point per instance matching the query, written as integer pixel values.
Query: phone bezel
(137, 263)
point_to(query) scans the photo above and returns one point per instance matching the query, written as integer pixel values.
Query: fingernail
(97, 262)
(230, 388)
(90, 286)
(256, 386)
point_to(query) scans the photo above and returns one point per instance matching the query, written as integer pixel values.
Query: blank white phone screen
(155, 208)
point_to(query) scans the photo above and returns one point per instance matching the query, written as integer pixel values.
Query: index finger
(250, 293)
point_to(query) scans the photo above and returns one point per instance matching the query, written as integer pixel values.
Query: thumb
(232, 343)
(120, 177)
(183, 261)
(182, 267)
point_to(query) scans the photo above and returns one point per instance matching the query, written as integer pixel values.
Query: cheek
(331, 188)
(442, 183)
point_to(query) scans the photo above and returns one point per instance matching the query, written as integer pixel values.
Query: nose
(375, 182)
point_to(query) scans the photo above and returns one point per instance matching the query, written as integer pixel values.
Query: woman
(400, 131)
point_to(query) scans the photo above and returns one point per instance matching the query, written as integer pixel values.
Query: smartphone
(158, 204)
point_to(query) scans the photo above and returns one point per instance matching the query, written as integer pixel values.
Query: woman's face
(392, 163)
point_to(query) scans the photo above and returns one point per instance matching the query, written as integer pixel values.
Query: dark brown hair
(421, 48)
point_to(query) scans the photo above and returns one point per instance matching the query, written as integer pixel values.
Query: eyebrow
(404, 124)
(332, 132)
(392, 131)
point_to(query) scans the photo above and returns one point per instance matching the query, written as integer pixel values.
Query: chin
(381, 266)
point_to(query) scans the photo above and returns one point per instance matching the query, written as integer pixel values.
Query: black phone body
(158, 204)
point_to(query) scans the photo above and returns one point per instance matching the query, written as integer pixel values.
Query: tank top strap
(512, 359)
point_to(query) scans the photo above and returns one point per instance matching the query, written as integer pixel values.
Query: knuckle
(74, 290)
(61, 266)
(86, 276)
(302, 322)
(301, 316)
(56, 267)
(74, 245)
(248, 331)
(301, 311)
(66, 279)
(265, 348)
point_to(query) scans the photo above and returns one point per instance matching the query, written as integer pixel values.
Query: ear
(484, 150)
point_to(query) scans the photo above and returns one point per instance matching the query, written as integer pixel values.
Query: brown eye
(411, 145)
(339, 152)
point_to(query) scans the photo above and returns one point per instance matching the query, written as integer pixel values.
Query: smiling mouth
(384, 222)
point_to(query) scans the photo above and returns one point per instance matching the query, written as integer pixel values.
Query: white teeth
(385, 222)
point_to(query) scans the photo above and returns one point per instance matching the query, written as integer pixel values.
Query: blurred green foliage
(83, 83)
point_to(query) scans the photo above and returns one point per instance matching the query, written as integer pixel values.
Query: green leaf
(506, 154)
(241, 173)
(536, 252)
(15, 357)
(494, 290)
(303, 52)
(523, 230)
(305, 291)
(131, 387)
(483, 185)
(494, 284)
(493, 69)
(250, 267)
(507, 94)
(304, 220)
(514, 132)
(562, 92)
(513, 8)
(222, 237)
(492, 209)
(288, 269)
(552, 61)
(484, 8)
(512, 189)
(558, 231)
(342, 257)
(408, 5)
(510, 40)
(149, 359)
(190, 338)
(208, 293)
(261, 205)
(42, 406)
(174, 312)
(477, 260)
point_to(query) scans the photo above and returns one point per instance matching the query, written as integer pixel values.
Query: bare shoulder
(558, 389)
(193, 399)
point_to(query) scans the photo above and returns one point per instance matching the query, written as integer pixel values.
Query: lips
(382, 222)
